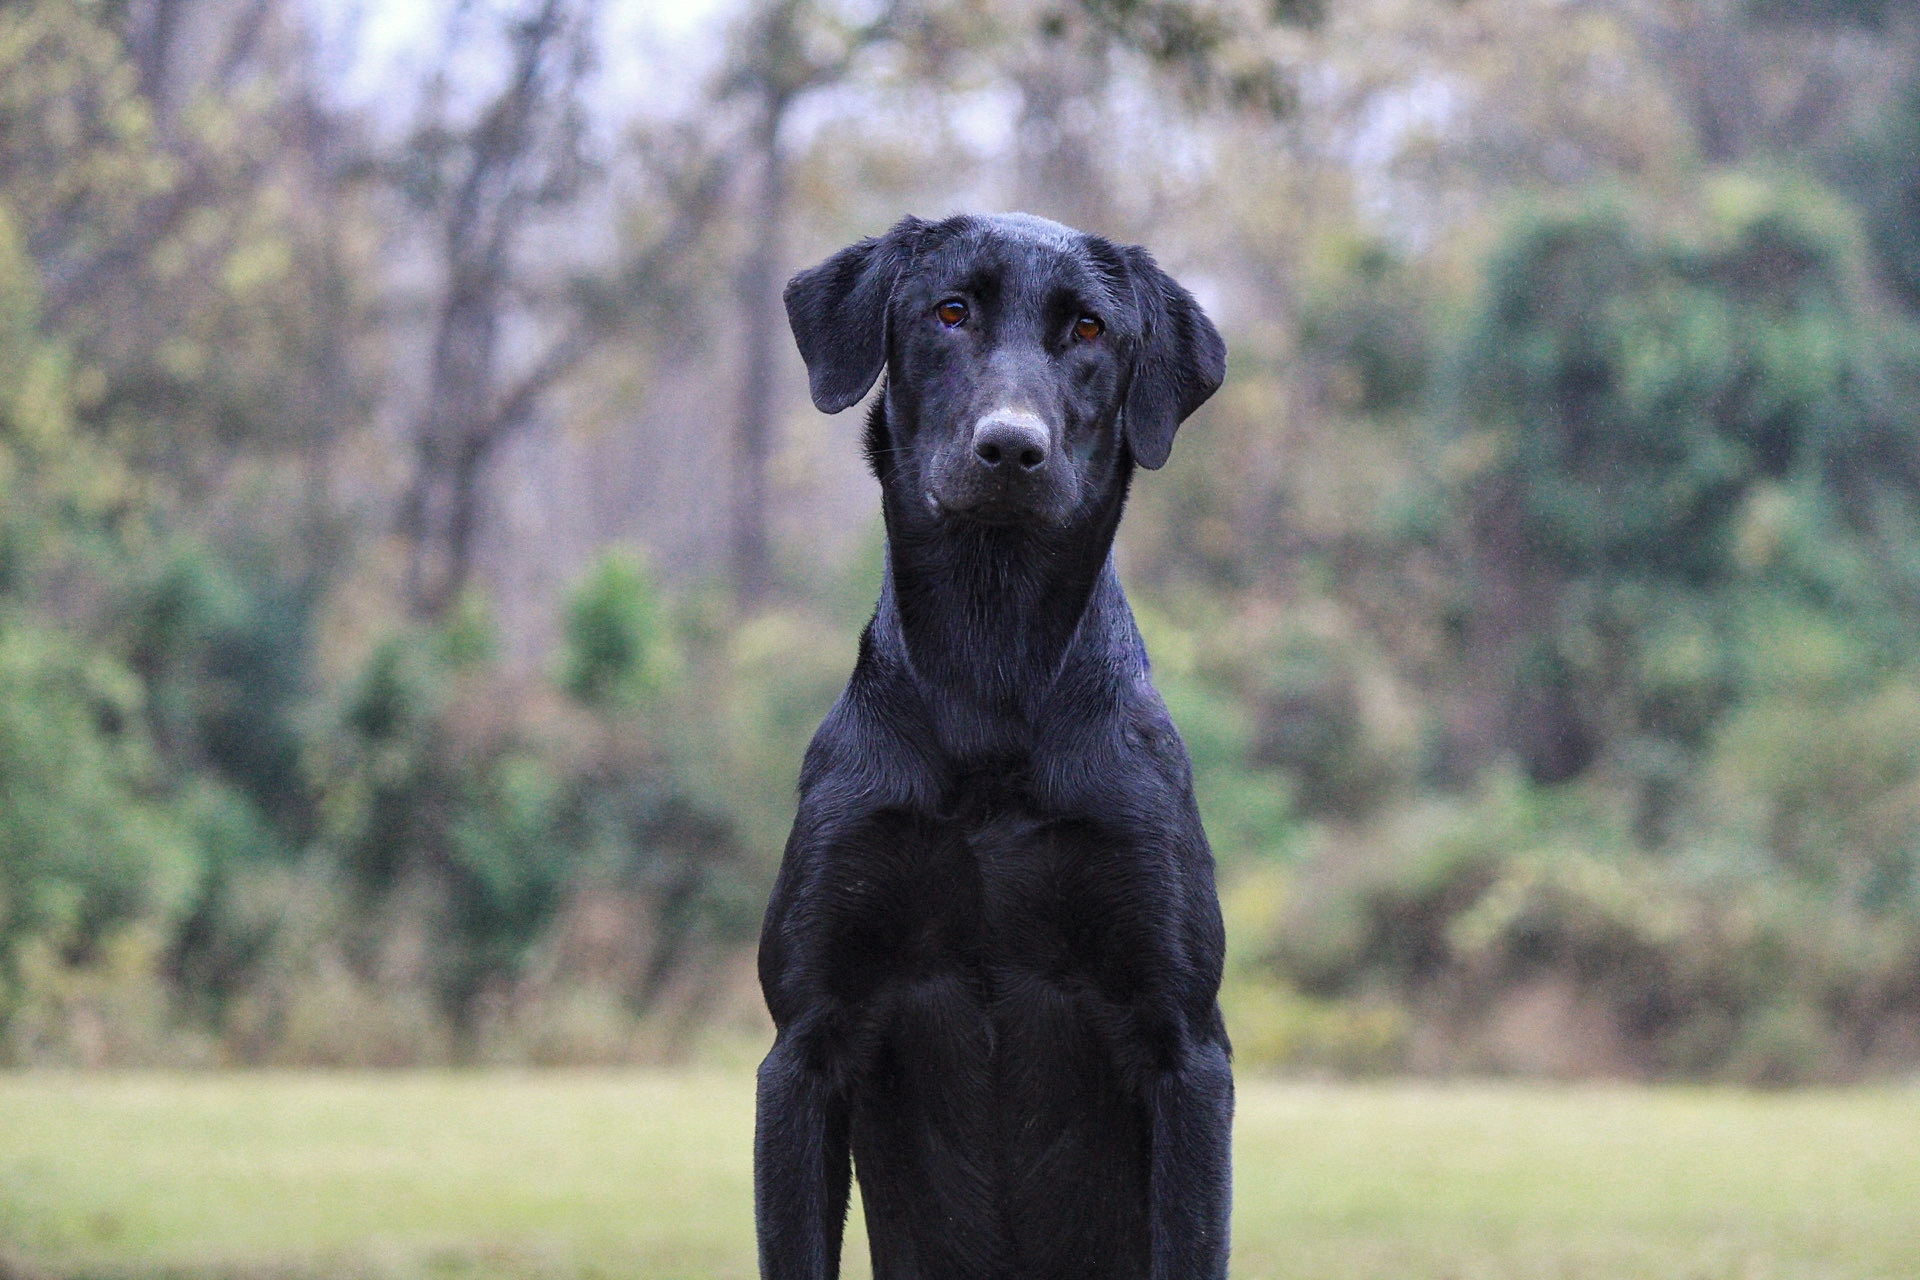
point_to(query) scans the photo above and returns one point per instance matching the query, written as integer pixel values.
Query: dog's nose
(1013, 441)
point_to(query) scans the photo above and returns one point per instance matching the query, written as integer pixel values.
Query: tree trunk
(440, 512)
(762, 325)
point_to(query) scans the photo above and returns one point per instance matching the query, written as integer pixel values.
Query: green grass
(608, 1177)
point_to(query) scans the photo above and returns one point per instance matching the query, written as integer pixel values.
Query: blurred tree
(1872, 14)
(1673, 427)
(90, 843)
(783, 52)
(166, 237)
(480, 186)
(524, 152)
(1215, 54)
(611, 651)
(169, 523)
(1776, 77)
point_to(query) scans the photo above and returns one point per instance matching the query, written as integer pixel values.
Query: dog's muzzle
(1004, 472)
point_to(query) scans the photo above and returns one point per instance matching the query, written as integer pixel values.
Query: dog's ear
(838, 312)
(1179, 362)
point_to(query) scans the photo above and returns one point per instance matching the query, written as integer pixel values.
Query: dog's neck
(986, 615)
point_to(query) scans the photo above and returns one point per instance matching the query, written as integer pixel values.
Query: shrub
(1707, 965)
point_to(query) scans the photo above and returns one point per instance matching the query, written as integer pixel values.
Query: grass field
(625, 1177)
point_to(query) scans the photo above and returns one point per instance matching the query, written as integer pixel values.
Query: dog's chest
(986, 903)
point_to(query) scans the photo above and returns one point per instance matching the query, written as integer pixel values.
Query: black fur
(994, 946)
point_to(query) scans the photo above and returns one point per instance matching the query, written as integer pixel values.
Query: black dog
(994, 947)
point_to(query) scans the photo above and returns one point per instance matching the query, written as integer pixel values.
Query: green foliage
(1366, 323)
(1285, 718)
(1885, 169)
(1646, 382)
(612, 654)
(1824, 780)
(1533, 935)
(79, 135)
(195, 262)
(56, 483)
(432, 794)
(1687, 435)
(507, 875)
(87, 846)
(226, 666)
(479, 818)
(97, 861)
(1246, 806)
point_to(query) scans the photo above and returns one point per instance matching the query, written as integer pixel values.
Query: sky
(655, 53)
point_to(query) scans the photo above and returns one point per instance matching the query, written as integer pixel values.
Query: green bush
(614, 652)
(1465, 917)
(89, 847)
(1687, 429)
(1367, 329)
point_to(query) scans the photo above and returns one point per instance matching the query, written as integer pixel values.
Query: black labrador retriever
(994, 948)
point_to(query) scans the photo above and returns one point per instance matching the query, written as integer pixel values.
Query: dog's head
(1027, 362)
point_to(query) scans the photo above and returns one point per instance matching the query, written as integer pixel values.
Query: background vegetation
(420, 568)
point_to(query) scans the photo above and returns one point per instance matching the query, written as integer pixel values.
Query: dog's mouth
(992, 508)
(959, 490)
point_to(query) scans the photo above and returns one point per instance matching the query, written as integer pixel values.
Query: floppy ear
(838, 313)
(1179, 362)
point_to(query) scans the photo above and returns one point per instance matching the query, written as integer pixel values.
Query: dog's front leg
(1190, 1192)
(801, 1169)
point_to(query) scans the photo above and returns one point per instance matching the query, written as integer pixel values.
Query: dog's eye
(1087, 328)
(951, 312)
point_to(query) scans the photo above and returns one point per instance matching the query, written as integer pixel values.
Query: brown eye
(1087, 328)
(951, 312)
